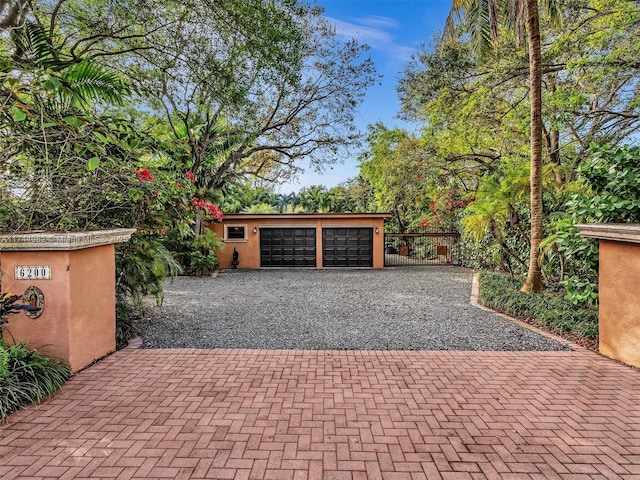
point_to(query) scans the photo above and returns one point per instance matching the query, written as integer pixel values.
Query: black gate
(425, 247)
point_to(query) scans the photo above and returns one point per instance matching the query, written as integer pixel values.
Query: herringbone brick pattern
(239, 414)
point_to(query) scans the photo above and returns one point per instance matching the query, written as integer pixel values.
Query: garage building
(318, 240)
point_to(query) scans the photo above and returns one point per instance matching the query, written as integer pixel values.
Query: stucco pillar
(619, 289)
(74, 275)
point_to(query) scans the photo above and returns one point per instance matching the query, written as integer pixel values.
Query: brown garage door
(288, 247)
(347, 247)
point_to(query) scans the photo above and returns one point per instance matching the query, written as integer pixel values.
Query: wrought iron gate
(425, 247)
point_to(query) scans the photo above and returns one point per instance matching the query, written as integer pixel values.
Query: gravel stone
(416, 308)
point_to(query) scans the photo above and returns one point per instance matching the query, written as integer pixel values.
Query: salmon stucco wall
(249, 248)
(49, 333)
(77, 324)
(78, 321)
(619, 310)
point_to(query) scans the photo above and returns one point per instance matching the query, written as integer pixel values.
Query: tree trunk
(198, 226)
(533, 284)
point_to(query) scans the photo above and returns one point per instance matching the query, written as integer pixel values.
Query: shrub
(608, 191)
(196, 254)
(143, 264)
(27, 377)
(502, 293)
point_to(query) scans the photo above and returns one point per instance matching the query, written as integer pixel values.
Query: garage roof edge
(257, 216)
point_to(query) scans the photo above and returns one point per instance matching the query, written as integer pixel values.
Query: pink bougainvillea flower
(198, 202)
(213, 210)
(144, 174)
(190, 176)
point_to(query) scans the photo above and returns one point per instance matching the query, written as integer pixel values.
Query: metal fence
(426, 247)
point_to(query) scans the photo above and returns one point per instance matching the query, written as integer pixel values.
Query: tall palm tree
(482, 19)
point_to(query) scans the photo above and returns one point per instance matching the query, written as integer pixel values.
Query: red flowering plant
(171, 200)
(444, 208)
(210, 208)
(143, 174)
(175, 209)
(159, 201)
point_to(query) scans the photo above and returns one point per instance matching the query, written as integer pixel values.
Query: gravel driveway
(417, 308)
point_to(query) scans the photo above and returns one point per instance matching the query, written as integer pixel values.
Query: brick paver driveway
(267, 414)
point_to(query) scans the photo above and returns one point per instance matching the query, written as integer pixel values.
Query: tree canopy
(472, 109)
(148, 114)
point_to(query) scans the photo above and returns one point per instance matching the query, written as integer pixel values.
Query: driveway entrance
(286, 415)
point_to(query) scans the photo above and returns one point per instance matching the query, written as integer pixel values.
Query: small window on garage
(235, 233)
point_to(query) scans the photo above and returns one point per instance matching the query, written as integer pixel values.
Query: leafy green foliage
(142, 266)
(351, 196)
(609, 192)
(79, 166)
(27, 377)
(196, 254)
(612, 173)
(502, 293)
(242, 88)
(395, 169)
(473, 108)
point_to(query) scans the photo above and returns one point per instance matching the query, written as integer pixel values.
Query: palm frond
(33, 48)
(456, 15)
(88, 81)
(553, 9)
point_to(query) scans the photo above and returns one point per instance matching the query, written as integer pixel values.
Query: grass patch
(27, 377)
(502, 293)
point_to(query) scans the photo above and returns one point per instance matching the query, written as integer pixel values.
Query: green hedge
(27, 377)
(502, 293)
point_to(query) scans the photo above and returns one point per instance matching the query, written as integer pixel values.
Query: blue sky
(393, 29)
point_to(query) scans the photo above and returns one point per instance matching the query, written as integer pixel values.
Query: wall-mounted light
(377, 230)
(255, 229)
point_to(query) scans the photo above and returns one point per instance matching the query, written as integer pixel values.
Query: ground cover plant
(501, 292)
(26, 376)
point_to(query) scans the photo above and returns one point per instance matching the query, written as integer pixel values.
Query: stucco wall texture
(78, 321)
(619, 289)
(77, 324)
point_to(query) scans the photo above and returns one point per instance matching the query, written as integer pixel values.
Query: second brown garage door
(347, 247)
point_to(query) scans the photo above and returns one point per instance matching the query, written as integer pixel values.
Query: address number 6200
(33, 272)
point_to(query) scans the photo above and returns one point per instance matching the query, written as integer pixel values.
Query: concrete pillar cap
(620, 232)
(47, 241)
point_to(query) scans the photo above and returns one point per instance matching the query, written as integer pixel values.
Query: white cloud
(377, 21)
(373, 31)
(373, 37)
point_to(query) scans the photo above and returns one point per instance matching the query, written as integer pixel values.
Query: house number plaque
(33, 272)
